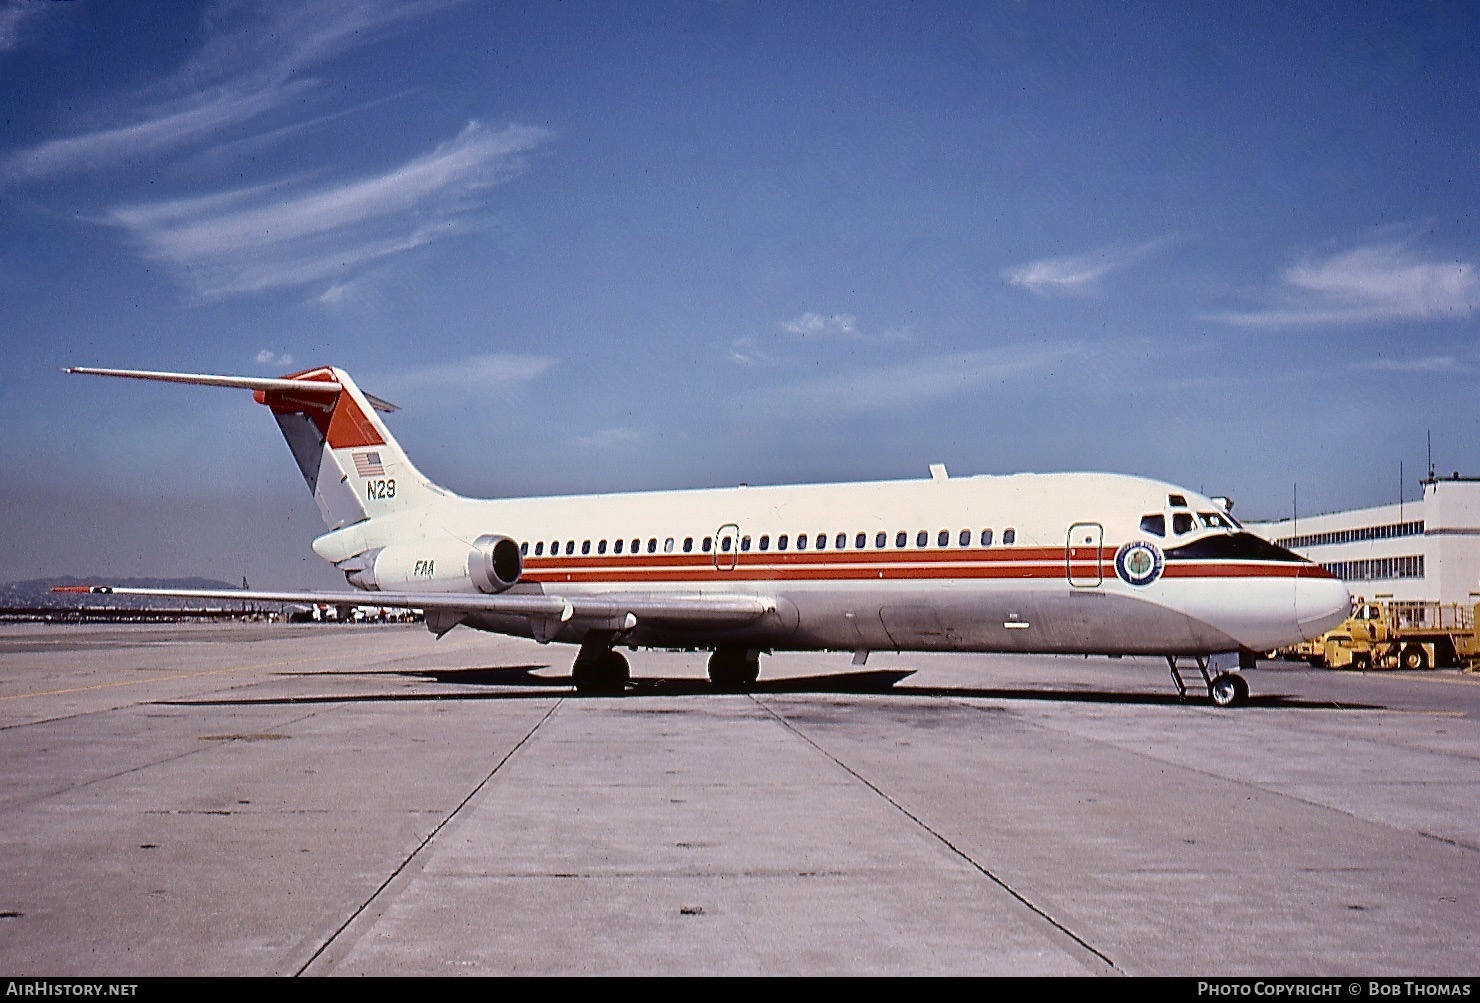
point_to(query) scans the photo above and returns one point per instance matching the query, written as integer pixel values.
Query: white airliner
(1046, 563)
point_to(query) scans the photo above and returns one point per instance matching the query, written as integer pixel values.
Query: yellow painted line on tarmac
(156, 679)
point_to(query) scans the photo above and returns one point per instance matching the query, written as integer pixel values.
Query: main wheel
(1415, 657)
(733, 669)
(1228, 689)
(605, 674)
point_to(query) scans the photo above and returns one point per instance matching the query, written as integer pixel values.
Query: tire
(1228, 689)
(1414, 657)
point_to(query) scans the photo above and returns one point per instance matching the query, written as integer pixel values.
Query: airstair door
(1082, 555)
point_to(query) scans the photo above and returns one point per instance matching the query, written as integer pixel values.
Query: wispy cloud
(15, 15)
(1423, 364)
(607, 439)
(1372, 283)
(912, 383)
(255, 61)
(1078, 274)
(815, 325)
(268, 237)
(480, 374)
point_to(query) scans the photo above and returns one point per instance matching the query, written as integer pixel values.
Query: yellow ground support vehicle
(1403, 635)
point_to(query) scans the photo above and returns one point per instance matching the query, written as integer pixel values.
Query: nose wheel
(1225, 689)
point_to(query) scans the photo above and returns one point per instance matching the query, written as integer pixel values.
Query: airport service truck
(1398, 635)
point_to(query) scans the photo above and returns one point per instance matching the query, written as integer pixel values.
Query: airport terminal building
(1418, 551)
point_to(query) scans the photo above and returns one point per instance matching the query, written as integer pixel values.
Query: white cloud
(1422, 364)
(1078, 274)
(607, 438)
(267, 357)
(913, 383)
(254, 62)
(14, 17)
(1372, 283)
(815, 325)
(266, 237)
(481, 373)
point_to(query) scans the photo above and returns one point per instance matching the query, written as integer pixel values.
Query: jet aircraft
(1082, 563)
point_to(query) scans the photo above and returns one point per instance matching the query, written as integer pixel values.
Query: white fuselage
(1027, 562)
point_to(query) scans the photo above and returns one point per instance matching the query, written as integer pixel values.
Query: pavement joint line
(980, 868)
(157, 679)
(426, 841)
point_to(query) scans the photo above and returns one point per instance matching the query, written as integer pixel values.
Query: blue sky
(626, 246)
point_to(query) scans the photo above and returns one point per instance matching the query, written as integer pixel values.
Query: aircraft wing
(695, 609)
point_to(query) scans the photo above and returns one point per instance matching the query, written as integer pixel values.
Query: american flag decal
(368, 465)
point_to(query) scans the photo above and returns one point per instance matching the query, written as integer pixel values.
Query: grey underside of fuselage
(1073, 621)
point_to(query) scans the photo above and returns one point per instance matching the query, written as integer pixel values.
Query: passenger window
(943, 539)
(636, 545)
(781, 542)
(539, 549)
(688, 544)
(801, 541)
(570, 547)
(766, 541)
(668, 545)
(652, 545)
(922, 538)
(965, 538)
(1182, 522)
(1156, 524)
(986, 538)
(524, 548)
(860, 541)
(1009, 537)
(821, 541)
(901, 538)
(617, 547)
(842, 541)
(724, 543)
(881, 540)
(601, 547)
(585, 546)
(705, 545)
(745, 543)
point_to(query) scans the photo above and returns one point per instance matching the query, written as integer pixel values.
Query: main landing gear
(1225, 689)
(599, 670)
(734, 668)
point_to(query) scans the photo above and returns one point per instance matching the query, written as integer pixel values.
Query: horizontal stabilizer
(239, 382)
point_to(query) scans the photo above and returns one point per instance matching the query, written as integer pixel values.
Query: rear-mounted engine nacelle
(495, 563)
(492, 565)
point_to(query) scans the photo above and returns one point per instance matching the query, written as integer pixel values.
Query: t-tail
(351, 462)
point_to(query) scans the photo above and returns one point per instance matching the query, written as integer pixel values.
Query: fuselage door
(726, 547)
(1082, 560)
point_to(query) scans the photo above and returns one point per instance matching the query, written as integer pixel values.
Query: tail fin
(352, 464)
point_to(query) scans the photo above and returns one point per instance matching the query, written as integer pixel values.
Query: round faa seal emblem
(1138, 563)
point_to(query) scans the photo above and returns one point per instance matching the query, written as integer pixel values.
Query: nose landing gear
(1225, 688)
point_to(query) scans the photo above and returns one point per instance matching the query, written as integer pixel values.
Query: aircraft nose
(1320, 604)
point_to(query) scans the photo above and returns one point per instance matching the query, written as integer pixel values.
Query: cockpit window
(1182, 522)
(1177, 501)
(1155, 524)
(1213, 520)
